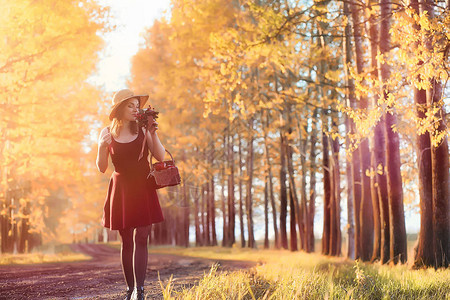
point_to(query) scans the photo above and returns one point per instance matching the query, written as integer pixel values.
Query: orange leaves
(49, 49)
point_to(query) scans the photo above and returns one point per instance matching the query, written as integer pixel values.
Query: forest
(276, 112)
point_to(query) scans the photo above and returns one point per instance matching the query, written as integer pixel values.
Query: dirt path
(101, 277)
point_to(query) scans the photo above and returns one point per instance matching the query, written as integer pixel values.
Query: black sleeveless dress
(131, 200)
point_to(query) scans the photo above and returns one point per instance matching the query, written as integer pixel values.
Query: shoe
(138, 293)
(129, 294)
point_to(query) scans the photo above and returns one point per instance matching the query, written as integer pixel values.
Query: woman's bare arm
(104, 140)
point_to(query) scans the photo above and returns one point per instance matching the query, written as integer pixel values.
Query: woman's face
(129, 110)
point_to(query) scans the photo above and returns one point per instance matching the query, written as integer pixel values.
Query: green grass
(296, 275)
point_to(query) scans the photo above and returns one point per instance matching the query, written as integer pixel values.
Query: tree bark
(366, 211)
(224, 201)
(198, 234)
(336, 204)
(249, 198)
(295, 213)
(425, 249)
(381, 188)
(376, 155)
(350, 128)
(186, 212)
(206, 215)
(231, 200)
(293, 231)
(398, 251)
(283, 192)
(439, 165)
(241, 197)
(304, 212)
(295, 217)
(266, 212)
(312, 187)
(270, 182)
(212, 210)
(327, 194)
(440, 185)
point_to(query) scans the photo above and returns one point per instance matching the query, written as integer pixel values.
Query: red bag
(165, 172)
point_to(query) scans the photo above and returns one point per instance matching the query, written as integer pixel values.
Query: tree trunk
(350, 199)
(270, 182)
(355, 160)
(326, 194)
(439, 166)
(249, 198)
(350, 128)
(336, 205)
(295, 213)
(241, 197)
(212, 208)
(198, 234)
(394, 178)
(331, 206)
(186, 212)
(312, 186)
(266, 212)
(381, 188)
(283, 193)
(205, 216)
(224, 213)
(295, 217)
(304, 212)
(224, 201)
(23, 241)
(379, 181)
(440, 184)
(292, 223)
(374, 156)
(366, 212)
(425, 248)
(231, 200)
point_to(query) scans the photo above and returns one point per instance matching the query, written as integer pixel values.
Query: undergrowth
(290, 275)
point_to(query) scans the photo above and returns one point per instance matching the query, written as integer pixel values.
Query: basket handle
(151, 158)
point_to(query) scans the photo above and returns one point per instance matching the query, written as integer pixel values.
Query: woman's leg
(126, 255)
(141, 254)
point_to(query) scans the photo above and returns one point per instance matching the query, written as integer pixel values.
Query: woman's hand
(152, 126)
(105, 140)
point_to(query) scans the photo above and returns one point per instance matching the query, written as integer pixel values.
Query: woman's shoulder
(104, 131)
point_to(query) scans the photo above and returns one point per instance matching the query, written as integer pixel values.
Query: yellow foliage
(49, 49)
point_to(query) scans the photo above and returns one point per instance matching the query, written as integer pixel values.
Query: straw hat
(122, 96)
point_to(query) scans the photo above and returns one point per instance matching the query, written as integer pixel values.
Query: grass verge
(292, 275)
(59, 253)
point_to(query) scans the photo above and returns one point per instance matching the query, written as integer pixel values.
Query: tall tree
(350, 129)
(425, 253)
(365, 214)
(270, 182)
(283, 193)
(249, 198)
(231, 200)
(397, 232)
(35, 87)
(327, 194)
(439, 159)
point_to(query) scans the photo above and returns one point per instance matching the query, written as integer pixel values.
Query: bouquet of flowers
(144, 114)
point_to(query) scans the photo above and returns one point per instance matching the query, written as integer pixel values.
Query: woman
(131, 204)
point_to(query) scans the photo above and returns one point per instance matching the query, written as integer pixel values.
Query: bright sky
(131, 17)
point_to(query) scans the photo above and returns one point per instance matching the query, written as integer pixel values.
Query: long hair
(117, 122)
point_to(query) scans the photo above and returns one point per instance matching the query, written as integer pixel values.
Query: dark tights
(134, 253)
